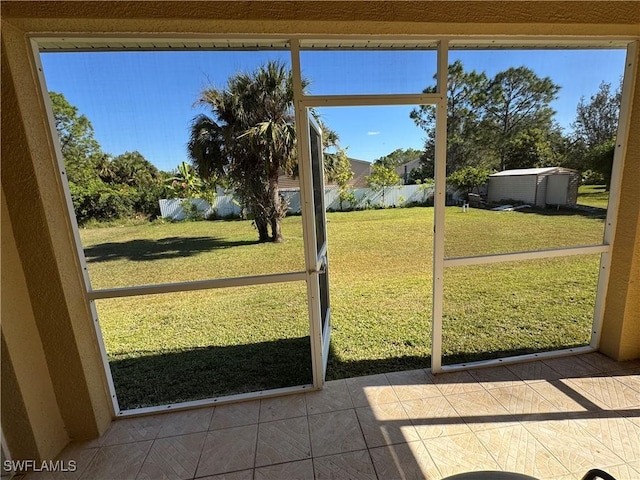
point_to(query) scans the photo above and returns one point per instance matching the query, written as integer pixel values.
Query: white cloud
(373, 133)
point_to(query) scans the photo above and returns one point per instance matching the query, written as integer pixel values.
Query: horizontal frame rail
(527, 357)
(81, 42)
(224, 400)
(197, 285)
(531, 255)
(311, 101)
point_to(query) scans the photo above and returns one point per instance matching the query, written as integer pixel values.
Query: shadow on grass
(337, 368)
(208, 372)
(579, 210)
(149, 250)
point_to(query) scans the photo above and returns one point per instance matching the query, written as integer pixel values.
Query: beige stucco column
(621, 327)
(47, 334)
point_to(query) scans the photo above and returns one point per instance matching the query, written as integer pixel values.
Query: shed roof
(532, 171)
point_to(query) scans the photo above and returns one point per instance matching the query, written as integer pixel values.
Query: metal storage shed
(555, 186)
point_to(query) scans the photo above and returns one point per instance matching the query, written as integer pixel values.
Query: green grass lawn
(593, 196)
(186, 346)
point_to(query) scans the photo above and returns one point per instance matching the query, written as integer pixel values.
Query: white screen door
(320, 217)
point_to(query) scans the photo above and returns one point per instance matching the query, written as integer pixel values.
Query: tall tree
(464, 95)
(250, 140)
(400, 156)
(92, 197)
(594, 132)
(517, 103)
(80, 150)
(597, 120)
(534, 147)
(139, 179)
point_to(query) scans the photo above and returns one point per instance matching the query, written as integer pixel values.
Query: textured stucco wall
(26, 366)
(41, 228)
(34, 197)
(343, 18)
(621, 330)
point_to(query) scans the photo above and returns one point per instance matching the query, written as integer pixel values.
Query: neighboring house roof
(360, 168)
(285, 181)
(533, 171)
(407, 168)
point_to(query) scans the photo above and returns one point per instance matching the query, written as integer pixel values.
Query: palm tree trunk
(275, 229)
(262, 227)
(276, 212)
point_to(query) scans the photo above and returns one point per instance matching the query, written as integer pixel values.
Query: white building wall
(542, 184)
(521, 188)
(574, 183)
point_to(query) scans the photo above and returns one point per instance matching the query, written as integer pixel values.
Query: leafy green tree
(597, 120)
(382, 176)
(468, 178)
(139, 179)
(186, 183)
(400, 157)
(424, 172)
(250, 140)
(102, 187)
(600, 160)
(595, 129)
(337, 168)
(334, 157)
(534, 147)
(342, 175)
(75, 131)
(83, 158)
(131, 168)
(515, 102)
(80, 150)
(465, 92)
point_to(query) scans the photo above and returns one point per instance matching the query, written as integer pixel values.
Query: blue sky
(145, 100)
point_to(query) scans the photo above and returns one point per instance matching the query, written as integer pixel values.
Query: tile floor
(552, 419)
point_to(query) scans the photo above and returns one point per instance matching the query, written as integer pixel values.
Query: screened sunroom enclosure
(466, 273)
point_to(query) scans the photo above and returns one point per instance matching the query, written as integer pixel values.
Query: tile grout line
(313, 463)
(255, 451)
(206, 435)
(424, 443)
(149, 451)
(623, 384)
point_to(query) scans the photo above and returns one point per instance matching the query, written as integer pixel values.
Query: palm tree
(250, 141)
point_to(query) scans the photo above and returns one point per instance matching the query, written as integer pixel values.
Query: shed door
(557, 189)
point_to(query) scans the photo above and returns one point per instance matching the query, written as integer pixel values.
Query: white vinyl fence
(226, 207)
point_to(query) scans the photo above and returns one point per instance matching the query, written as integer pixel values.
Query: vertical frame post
(74, 227)
(622, 135)
(308, 213)
(439, 204)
